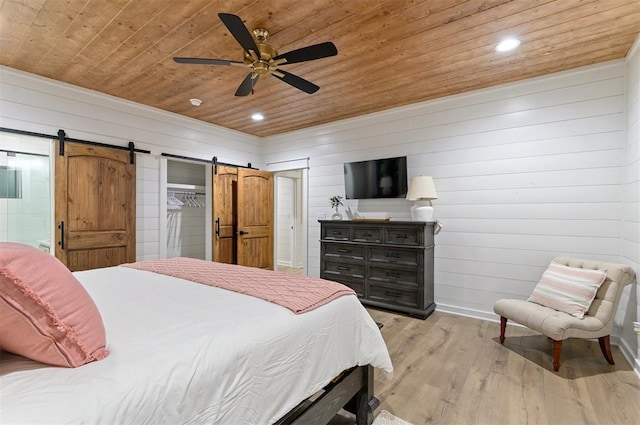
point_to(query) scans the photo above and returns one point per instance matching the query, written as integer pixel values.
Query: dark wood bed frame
(351, 390)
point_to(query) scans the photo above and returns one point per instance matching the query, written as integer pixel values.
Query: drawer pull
(392, 294)
(343, 268)
(344, 251)
(337, 232)
(392, 254)
(367, 235)
(392, 274)
(401, 236)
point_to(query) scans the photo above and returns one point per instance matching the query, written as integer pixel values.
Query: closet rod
(69, 139)
(213, 161)
(186, 192)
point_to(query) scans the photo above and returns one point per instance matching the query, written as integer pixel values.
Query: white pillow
(568, 289)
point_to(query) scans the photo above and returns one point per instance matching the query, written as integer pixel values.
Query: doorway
(25, 190)
(290, 247)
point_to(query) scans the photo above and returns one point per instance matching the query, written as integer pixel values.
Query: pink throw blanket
(297, 293)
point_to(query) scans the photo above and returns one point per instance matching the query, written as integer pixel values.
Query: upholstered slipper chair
(574, 299)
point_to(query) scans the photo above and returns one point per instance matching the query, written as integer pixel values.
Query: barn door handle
(242, 232)
(218, 226)
(61, 241)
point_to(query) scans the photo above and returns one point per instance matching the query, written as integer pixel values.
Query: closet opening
(186, 202)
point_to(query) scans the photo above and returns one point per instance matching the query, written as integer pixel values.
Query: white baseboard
(467, 312)
(628, 354)
(492, 317)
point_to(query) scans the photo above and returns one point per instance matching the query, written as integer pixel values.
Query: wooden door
(255, 218)
(95, 207)
(225, 201)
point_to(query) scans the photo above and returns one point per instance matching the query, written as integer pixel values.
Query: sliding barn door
(255, 218)
(94, 207)
(243, 216)
(225, 201)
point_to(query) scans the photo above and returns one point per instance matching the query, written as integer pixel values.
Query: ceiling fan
(263, 59)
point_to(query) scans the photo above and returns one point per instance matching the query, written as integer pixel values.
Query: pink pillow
(568, 289)
(45, 313)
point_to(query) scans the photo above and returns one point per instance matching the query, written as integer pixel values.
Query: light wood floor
(452, 370)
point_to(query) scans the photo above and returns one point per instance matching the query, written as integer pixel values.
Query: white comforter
(185, 353)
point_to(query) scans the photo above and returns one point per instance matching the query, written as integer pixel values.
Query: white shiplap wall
(147, 212)
(524, 172)
(36, 104)
(631, 206)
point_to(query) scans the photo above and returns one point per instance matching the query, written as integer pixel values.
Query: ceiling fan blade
(247, 85)
(295, 81)
(316, 51)
(239, 31)
(204, 61)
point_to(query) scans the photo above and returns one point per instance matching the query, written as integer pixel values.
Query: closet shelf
(180, 186)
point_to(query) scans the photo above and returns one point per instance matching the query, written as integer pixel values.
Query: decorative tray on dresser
(388, 263)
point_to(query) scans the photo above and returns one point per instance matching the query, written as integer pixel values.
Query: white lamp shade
(421, 187)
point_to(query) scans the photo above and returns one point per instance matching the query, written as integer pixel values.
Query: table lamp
(422, 191)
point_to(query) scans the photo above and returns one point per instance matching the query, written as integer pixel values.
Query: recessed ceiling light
(507, 44)
(195, 102)
(257, 117)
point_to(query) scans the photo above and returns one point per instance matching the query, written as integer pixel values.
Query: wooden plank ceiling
(390, 52)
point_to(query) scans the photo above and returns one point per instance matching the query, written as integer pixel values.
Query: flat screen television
(378, 178)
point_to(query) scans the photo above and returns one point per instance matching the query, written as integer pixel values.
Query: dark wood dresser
(388, 263)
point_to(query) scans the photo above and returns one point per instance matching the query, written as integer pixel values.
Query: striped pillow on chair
(568, 289)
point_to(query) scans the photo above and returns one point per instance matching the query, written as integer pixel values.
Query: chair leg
(605, 347)
(503, 327)
(557, 348)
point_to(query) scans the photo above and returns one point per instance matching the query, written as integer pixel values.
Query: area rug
(386, 418)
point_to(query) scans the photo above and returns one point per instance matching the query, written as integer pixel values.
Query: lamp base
(422, 211)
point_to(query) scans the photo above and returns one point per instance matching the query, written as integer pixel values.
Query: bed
(182, 352)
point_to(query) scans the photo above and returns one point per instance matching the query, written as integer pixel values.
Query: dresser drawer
(338, 268)
(409, 256)
(403, 236)
(335, 232)
(333, 250)
(394, 295)
(367, 234)
(356, 284)
(391, 275)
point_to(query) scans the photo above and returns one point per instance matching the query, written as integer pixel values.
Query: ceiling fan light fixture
(257, 117)
(507, 44)
(195, 102)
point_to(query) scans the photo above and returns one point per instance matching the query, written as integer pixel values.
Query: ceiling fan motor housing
(261, 62)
